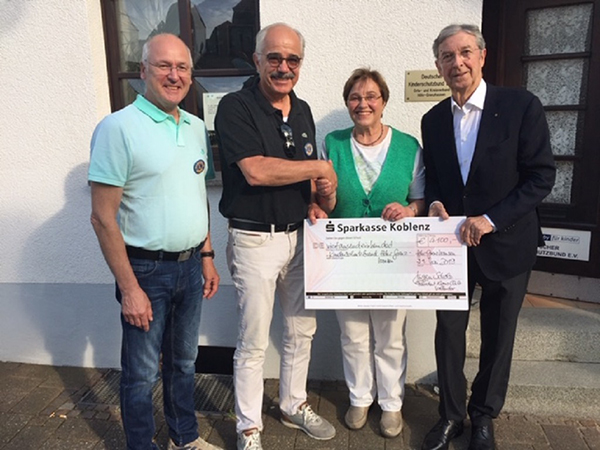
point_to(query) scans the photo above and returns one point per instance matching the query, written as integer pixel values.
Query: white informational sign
(566, 244)
(369, 263)
(210, 101)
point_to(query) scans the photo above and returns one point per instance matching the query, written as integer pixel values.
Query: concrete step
(549, 334)
(553, 388)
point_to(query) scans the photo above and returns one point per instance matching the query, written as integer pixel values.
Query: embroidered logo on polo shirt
(308, 149)
(199, 166)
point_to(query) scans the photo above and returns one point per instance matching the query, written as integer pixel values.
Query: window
(220, 33)
(548, 47)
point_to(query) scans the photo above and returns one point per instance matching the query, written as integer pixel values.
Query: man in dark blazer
(487, 156)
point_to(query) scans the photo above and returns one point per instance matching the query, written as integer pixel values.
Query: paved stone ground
(40, 408)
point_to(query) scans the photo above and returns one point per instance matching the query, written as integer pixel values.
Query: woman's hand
(325, 188)
(395, 211)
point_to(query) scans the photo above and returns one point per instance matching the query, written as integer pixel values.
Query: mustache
(283, 75)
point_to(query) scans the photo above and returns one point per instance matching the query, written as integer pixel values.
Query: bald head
(166, 69)
(276, 27)
(167, 39)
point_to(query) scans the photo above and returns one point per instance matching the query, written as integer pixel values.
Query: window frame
(504, 25)
(112, 49)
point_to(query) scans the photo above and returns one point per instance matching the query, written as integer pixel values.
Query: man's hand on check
(437, 209)
(473, 228)
(316, 212)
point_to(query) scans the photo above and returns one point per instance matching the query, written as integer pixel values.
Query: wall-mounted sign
(566, 244)
(425, 86)
(211, 101)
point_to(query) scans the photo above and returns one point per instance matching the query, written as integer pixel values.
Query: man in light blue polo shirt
(150, 214)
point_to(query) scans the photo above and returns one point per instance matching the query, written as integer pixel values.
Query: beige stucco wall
(56, 302)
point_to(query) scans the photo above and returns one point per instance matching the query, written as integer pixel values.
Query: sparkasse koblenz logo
(376, 227)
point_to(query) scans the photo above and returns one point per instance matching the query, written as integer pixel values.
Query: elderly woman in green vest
(380, 174)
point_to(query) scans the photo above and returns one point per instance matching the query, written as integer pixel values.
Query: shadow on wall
(76, 321)
(11, 12)
(337, 119)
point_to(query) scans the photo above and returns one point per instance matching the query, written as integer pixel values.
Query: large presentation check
(416, 263)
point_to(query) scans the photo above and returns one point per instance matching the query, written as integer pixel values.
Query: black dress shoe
(482, 437)
(441, 434)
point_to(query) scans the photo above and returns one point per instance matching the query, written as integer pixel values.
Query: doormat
(212, 393)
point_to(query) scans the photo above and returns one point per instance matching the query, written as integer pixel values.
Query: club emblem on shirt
(308, 149)
(199, 166)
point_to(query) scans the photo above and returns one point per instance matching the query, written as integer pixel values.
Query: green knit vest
(391, 185)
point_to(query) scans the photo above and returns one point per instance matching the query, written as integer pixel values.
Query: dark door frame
(504, 28)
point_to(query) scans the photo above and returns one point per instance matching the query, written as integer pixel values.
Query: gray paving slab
(33, 371)
(520, 432)
(30, 437)
(60, 444)
(11, 424)
(591, 436)
(72, 377)
(279, 442)
(223, 434)
(10, 399)
(564, 437)
(82, 430)
(38, 399)
(19, 383)
(65, 423)
(114, 439)
(7, 369)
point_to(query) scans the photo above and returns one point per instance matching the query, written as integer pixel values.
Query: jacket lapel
(448, 155)
(489, 129)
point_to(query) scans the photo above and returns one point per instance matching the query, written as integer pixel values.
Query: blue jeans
(175, 291)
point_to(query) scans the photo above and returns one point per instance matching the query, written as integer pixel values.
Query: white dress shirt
(466, 127)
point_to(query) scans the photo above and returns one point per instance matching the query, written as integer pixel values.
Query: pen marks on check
(384, 251)
(440, 281)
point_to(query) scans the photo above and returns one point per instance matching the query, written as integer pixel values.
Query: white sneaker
(391, 423)
(249, 441)
(309, 422)
(198, 444)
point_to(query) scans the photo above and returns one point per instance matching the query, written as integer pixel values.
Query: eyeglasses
(289, 147)
(165, 68)
(275, 60)
(447, 58)
(370, 99)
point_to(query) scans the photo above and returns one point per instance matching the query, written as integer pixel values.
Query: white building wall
(56, 294)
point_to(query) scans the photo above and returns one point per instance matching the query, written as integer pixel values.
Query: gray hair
(146, 47)
(262, 34)
(453, 29)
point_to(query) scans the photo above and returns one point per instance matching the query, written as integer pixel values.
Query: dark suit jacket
(511, 173)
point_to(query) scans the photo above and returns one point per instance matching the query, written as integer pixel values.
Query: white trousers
(260, 265)
(374, 355)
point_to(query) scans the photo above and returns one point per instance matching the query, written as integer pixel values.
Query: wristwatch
(209, 254)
